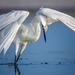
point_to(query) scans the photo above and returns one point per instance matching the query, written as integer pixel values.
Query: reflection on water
(43, 69)
(17, 71)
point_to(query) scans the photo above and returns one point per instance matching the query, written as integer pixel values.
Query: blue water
(55, 57)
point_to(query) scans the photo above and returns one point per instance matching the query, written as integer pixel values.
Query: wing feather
(10, 17)
(10, 27)
(54, 15)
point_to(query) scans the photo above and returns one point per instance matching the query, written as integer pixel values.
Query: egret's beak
(44, 32)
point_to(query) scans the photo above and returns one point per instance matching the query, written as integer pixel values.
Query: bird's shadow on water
(17, 71)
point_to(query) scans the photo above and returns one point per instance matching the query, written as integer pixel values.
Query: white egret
(13, 30)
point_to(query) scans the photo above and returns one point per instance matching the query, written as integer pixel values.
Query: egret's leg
(16, 50)
(23, 46)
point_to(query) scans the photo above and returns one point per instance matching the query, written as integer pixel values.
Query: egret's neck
(36, 27)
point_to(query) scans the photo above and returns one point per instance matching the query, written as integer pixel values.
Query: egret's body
(27, 33)
(13, 30)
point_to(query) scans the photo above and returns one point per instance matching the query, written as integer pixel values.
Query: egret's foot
(15, 63)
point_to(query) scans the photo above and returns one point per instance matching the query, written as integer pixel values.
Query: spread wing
(9, 25)
(53, 15)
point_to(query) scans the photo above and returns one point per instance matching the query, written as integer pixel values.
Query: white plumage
(53, 15)
(11, 23)
(12, 29)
